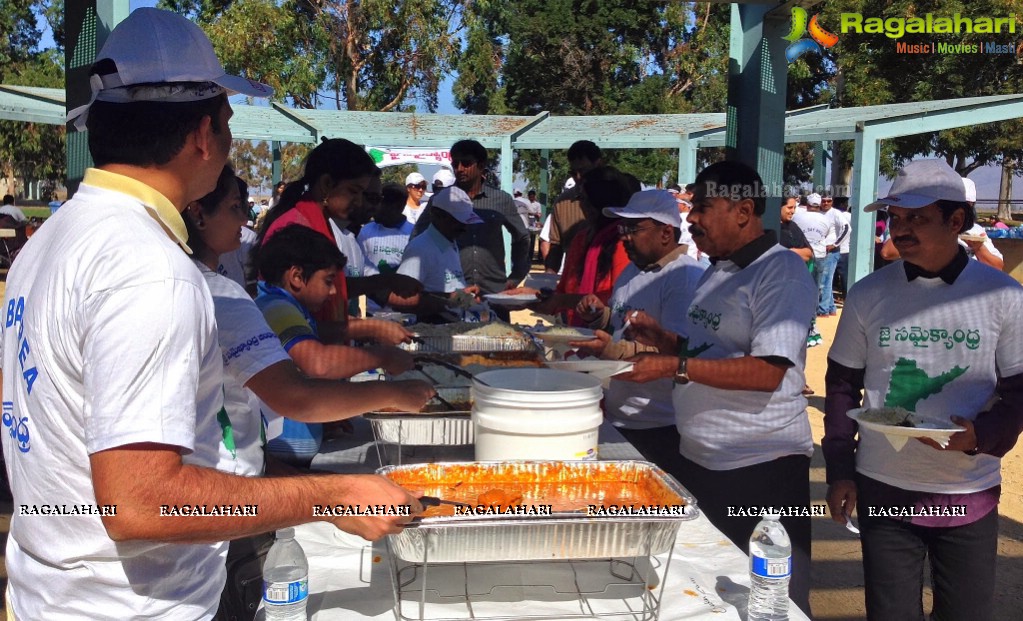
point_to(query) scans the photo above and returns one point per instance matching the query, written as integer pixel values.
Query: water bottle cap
(286, 533)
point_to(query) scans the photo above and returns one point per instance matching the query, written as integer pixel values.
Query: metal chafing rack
(448, 568)
(565, 535)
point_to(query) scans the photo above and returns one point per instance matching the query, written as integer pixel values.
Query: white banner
(384, 156)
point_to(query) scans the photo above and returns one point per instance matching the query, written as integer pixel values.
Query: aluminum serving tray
(469, 343)
(568, 535)
(440, 428)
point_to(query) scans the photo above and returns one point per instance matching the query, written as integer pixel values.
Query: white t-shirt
(815, 228)
(235, 264)
(248, 346)
(843, 246)
(545, 231)
(109, 340)
(384, 246)
(14, 212)
(936, 349)
(661, 293)
(764, 309)
(356, 266)
(685, 237)
(412, 215)
(836, 226)
(433, 260)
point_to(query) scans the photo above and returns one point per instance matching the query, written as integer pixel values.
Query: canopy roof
(543, 131)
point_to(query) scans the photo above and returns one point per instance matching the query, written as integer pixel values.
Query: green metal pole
(276, 168)
(755, 115)
(819, 165)
(88, 23)
(864, 191)
(687, 161)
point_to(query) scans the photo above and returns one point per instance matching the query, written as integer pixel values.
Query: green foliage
(873, 72)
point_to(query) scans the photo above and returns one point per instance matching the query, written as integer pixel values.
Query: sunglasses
(421, 186)
(632, 229)
(464, 163)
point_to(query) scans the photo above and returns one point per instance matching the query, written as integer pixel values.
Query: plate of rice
(561, 334)
(899, 425)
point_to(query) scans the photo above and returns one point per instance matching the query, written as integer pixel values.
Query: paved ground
(837, 571)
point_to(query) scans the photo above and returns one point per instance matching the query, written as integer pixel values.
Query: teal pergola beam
(820, 162)
(277, 166)
(508, 153)
(291, 113)
(757, 74)
(687, 161)
(864, 191)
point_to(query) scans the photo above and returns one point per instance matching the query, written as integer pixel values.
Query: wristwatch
(681, 375)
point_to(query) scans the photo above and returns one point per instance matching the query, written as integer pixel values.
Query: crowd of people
(151, 344)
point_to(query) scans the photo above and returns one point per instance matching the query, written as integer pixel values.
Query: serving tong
(422, 359)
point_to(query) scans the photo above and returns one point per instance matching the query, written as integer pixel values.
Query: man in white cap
(739, 408)
(415, 184)
(942, 337)
(112, 373)
(443, 178)
(978, 245)
(660, 280)
(432, 257)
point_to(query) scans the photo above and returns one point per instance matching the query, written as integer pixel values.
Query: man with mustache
(739, 407)
(941, 336)
(661, 281)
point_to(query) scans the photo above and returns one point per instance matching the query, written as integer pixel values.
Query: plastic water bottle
(770, 567)
(285, 579)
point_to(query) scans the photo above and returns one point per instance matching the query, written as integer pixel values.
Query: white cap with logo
(921, 183)
(813, 200)
(156, 55)
(456, 202)
(971, 190)
(659, 205)
(444, 177)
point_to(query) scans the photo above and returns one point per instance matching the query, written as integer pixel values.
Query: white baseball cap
(414, 179)
(659, 205)
(813, 199)
(570, 183)
(971, 190)
(444, 177)
(154, 52)
(456, 202)
(921, 183)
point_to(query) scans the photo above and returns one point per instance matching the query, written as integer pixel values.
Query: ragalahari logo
(818, 36)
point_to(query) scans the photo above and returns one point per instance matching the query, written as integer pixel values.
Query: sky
(986, 178)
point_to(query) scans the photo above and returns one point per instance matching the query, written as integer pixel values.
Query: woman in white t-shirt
(257, 368)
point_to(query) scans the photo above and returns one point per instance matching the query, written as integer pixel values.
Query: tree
(359, 55)
(29, 151)
(874, 72)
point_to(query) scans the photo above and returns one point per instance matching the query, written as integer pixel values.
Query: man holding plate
(941, 336)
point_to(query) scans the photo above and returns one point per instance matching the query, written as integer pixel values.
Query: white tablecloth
(349, 578)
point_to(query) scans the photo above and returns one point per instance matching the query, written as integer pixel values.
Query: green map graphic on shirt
(910, 384)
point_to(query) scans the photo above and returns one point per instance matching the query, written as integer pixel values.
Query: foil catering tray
(428, 342)
(437, 425)
(561, 534)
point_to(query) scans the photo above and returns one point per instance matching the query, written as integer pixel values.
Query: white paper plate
(973, 238)
(602, 369)
(563, 335)
(939, 431)
(515, 300)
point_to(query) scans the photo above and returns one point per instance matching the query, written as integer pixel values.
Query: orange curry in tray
(565, 489)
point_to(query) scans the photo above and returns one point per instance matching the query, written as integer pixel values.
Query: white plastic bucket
(536, 414)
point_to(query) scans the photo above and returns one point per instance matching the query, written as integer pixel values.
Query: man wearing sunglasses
(481, 246)
(415, 184)
(661, 280)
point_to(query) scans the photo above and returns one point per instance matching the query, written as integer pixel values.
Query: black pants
(658, 445)
(244, 588)
(784, 482)
(962, 568)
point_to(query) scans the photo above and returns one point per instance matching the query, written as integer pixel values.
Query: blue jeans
(825, 279)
